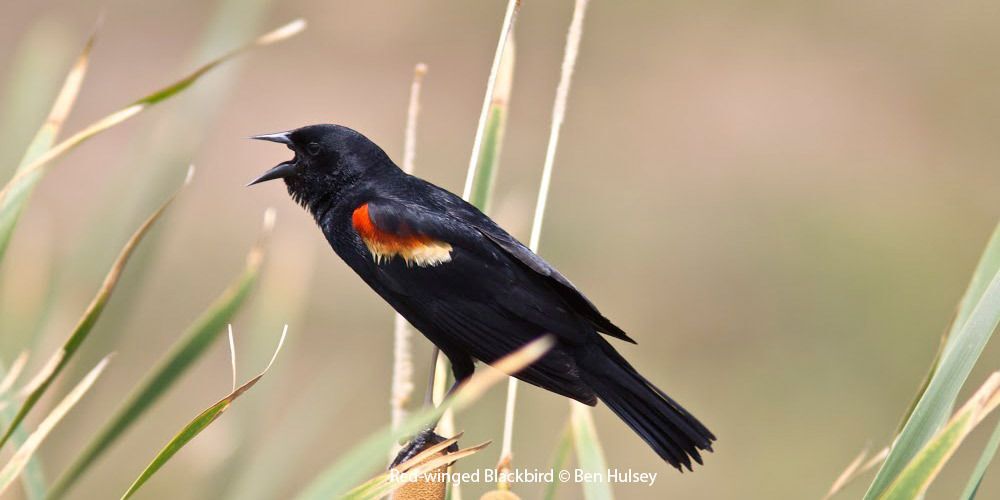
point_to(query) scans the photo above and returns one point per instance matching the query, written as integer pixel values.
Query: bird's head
(327, 159)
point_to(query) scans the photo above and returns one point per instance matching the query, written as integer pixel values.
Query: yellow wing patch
(413, 248)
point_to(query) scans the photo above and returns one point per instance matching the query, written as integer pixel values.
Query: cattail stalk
(402, 352)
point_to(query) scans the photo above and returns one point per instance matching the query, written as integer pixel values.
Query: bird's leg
(427, 437)
(429, 394)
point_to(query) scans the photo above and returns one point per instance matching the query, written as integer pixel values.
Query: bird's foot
(425, 439)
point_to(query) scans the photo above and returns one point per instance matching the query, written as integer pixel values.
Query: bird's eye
(313, 149)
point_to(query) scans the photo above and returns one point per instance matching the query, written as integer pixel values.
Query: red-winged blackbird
(469, 286)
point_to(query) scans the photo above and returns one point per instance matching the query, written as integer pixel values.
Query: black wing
(575, 298)
(482, 301)
(461, 224)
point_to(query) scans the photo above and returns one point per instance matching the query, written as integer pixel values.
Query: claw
(425, 439)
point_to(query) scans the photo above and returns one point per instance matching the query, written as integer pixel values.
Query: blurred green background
(781, 201)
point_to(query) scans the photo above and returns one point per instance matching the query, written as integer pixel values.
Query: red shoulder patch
(413, 248)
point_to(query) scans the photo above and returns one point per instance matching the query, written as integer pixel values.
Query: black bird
(469, 286)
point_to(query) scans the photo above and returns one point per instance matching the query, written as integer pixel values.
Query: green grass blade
(488, 164)
(353, 467)
(12, 204)
(13, 197)
(35, 70)
(974, 325)
(184, 353)
(984, 463)
(198, 424)
(560, 456)
(921, 471)
(988, 266)
(87, 321)
(589, 454)
(23, 454)
(32, 479)
(510, 15)
(477, 184)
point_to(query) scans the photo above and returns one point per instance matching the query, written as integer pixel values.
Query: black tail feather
(673, 433)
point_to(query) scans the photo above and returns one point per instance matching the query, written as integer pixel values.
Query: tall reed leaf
(920, 472)
(86, 322)
(977, 318)
(477, 185)
(184, 353)
(12, 204)
(23, 454)
(203, 420)
(505, 32)
(14, 194)
(488, 163)
(353, 466)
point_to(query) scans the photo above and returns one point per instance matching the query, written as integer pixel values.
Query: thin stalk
(558, 115)
(412, 113)
(402, 352)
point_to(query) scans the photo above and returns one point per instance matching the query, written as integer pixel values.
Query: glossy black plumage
(489, 297)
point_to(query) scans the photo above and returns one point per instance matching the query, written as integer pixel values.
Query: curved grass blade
(989, 264)
(86, 323)
(37, 166)
(188, 349)
(203, 420)
(857, 467)
(921, 471)
(176, 136)
(977, 318)
(559, 458)
(23, 454)
(589, 454)
(352, 467)
(10, 375)
(12, 204)
(32, 479)
(34, 72)
(976, 479)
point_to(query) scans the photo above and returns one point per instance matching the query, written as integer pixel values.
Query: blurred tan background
(781, 201)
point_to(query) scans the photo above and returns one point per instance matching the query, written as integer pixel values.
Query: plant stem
(402, 352)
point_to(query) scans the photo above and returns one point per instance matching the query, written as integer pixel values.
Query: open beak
(280, 137)
(281, 170)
